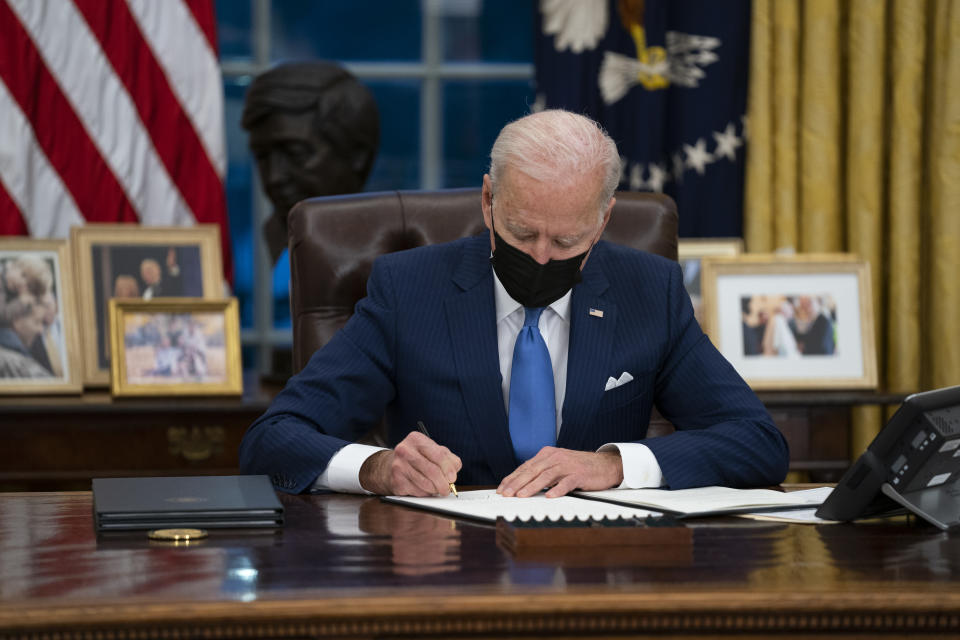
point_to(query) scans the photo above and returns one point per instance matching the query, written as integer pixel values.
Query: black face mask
(527, 281)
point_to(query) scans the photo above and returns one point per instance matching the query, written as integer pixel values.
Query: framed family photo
(690, 254)
(799, 322)
(139, 263)
(175, 346)
(38, 324)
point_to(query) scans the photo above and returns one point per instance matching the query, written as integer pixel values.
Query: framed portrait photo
(691, 252)
(175, 346)
(139, 263)
(799, 322)
(38, 323)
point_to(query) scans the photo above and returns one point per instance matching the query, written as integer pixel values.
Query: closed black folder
(207, 502)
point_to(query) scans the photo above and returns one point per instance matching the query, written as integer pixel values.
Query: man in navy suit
(534, 356)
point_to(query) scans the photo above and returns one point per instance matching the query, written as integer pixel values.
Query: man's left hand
(563, 470)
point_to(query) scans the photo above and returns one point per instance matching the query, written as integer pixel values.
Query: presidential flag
(668, 80)
(110, 111)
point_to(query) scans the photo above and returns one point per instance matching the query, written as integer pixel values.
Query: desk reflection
(420, 543)
(356, 541)
(347, 566)
(865, 549)
(333, 543)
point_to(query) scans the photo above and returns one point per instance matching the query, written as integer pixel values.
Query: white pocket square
(613, 383)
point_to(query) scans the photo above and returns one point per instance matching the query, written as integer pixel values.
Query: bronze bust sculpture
(314, 130)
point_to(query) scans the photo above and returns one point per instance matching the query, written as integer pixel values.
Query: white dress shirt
(640, 466)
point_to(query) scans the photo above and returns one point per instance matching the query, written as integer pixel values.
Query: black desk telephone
(912, 464)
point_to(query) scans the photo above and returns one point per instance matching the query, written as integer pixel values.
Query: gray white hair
(36, 272)
(555, 145)
(17, 308)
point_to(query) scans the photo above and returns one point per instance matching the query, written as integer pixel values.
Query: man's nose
(540, 251)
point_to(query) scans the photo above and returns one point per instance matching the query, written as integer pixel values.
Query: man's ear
(486, 205)
(603, 225)
(486, 201)
(606, 219)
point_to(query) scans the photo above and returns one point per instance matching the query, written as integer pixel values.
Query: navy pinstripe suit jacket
(423, 346)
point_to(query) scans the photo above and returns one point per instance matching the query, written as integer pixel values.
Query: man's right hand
(417, 466)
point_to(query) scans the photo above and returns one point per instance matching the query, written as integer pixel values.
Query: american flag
(110, 111)
(668, 80)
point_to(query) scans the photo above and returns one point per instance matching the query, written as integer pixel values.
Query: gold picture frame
(690, 253)
(793, 322)
(39, 351)
(175, 347)
(109, 262)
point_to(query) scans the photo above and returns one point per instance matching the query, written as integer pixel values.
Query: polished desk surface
(353, 566)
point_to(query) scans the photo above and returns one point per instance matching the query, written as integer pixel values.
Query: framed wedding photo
(175, 347)
(39, 351)
(798, 322)
(690, 253)
(140, 263)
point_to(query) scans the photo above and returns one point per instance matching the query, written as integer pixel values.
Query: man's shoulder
(633, 276)
(431, 270)
(444, 252)
(620, 256)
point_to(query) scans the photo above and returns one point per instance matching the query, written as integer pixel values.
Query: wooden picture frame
(793, 322)
(690, 253)
(175, 347)
(39, 352)
(109, 262)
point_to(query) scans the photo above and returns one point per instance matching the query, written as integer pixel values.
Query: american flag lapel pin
(596, 312)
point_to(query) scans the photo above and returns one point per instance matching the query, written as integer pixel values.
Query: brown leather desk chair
(335, 239)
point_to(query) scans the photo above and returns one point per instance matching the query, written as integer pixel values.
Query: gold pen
(422, 428)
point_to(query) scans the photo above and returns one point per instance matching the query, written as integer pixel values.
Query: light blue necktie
(533, 409)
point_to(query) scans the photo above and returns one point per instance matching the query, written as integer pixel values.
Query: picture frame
(690, 253)
(39, 352)
(793, 322)
(110, 261)
(175, 347)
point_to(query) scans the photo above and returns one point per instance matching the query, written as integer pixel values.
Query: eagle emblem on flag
(580, 25)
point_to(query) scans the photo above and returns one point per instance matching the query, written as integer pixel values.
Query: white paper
(487, 504)
(711, 499)
(796, 516)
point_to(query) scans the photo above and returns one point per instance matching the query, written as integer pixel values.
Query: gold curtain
(854, 134)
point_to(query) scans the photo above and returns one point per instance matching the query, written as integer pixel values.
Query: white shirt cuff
(640, 467)
(343, 471)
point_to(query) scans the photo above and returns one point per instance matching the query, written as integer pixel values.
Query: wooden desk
(349, 566)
